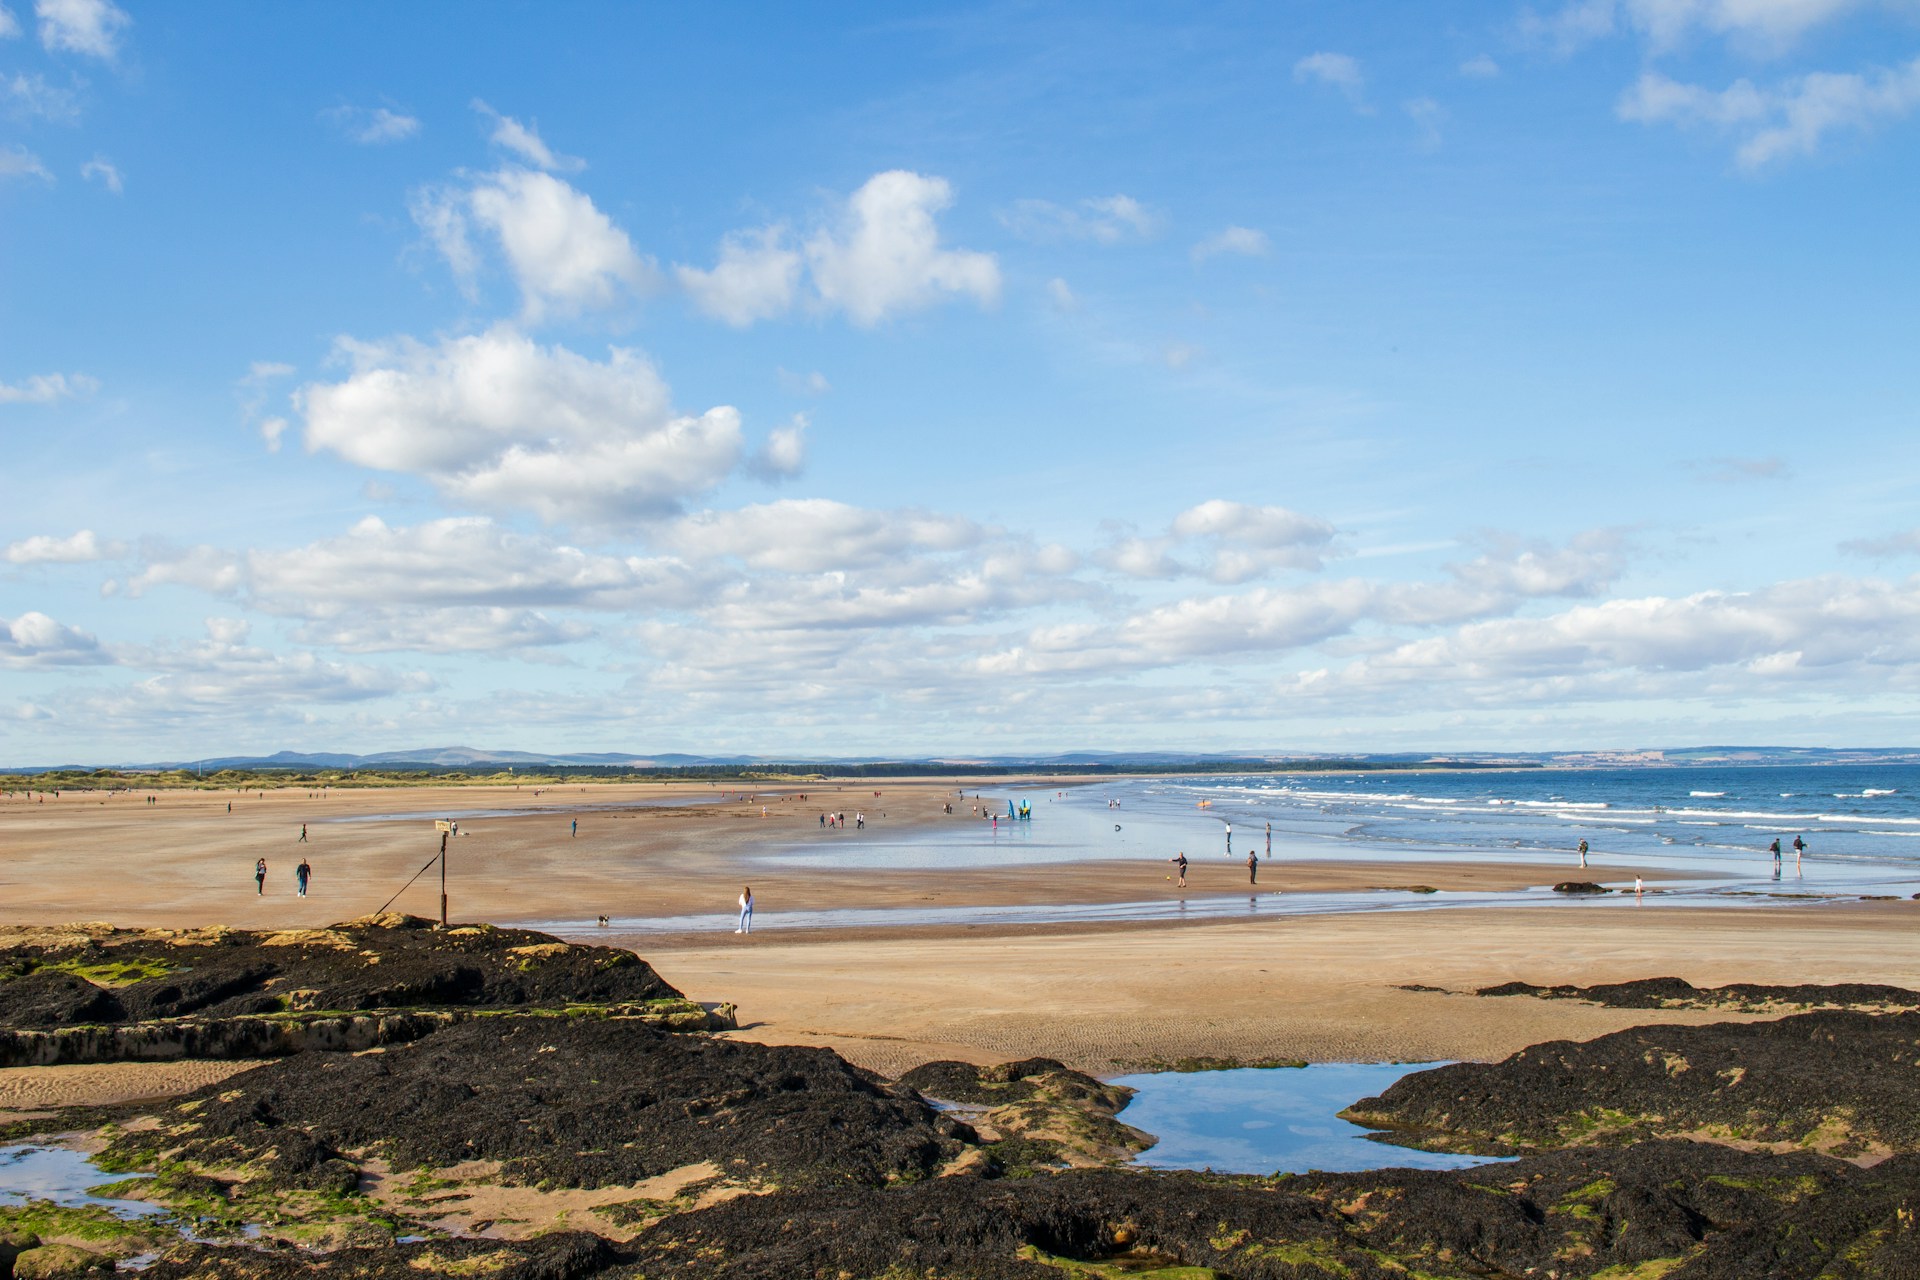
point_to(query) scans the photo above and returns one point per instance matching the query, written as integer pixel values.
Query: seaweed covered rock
(1036, 1113)
(1842, 1082)
(111, 995)
(1678, 1209)
(569, 1102)
(1738, 997)
(379, 962)
(574, 1255)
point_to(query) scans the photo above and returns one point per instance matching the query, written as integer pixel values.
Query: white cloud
(524, 140)
(564, 253)
(372, 126)
(9, 25)
(18, 162)
(76, 548)
(1729, 470)
(784, 453)
(1227, 542)
(35, 640)
(1241, 240)
(45, 388)
(1480, 67)
(90, 27)
(29, 95)
(817, 535)
(756, 278)
(102, 170)
(1791, 119)
(1810, 628)
(1342, 71)
(1571, 26)
(1060, 294)
(496, 421)
(885, 256)
(1101, 219)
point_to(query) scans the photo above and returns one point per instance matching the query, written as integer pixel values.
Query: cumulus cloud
(1101, 219)
(372, 126)
(1805, 629)
(784, 452)
(18, 162)
(45, 388)
(1480, 67)
(497, 421)
(1792, 118)
(878, 255)
(35, 640)
(524, 141)
(90, 27)
(102, 170)
(885, 255)
(756, 278)
(9, 25)
(1241, 240)
(1757, 26)
(817, 535)
(563, 252)
(1340, 70)
(76, 548)
(1225, 541)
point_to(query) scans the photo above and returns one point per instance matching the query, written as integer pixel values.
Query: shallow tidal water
(1263, 1120)
(62, 1177)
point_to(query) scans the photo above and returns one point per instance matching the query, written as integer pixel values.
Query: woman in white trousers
(746, 910)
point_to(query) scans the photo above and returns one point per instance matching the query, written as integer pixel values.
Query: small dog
(603, 922)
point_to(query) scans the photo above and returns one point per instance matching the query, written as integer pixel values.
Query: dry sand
(1108, 998)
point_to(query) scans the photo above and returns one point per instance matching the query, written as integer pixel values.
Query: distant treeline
(401, 774)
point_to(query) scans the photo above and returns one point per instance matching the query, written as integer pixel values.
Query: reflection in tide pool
(1270, 1120)
(64, 1178)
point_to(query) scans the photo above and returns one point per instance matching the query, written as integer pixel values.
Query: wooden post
(443, 879)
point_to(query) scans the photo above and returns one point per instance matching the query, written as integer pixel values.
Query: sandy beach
(1103, 997)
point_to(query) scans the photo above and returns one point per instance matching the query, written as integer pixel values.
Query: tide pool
(1265, 1120)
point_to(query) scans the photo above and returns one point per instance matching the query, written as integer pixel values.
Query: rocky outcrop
(1842, 1082)
(560, 1102)
(1739, 997)
(108, 996)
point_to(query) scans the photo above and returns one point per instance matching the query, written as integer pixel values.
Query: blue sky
(935, 379)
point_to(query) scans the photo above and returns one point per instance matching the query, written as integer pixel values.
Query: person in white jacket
(746, 910)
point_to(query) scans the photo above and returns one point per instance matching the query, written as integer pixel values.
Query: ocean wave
(1707, 794)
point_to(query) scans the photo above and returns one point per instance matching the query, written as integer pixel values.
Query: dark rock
(188, 992)
(1840, 1081)
(1677, 993)
(569, 1101)
(51, 998)
(1580, 886)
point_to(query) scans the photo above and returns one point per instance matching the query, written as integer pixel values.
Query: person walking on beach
(301, 874)
(1774, 848)
(746, 910)
(1583, 853)
(303, 834)
(1253, 867)
(1799, 847)
(1180, 860)
(260, 876)
(1637, 887)
(576, 826)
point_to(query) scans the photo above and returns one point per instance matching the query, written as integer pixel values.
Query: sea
(1697, 833)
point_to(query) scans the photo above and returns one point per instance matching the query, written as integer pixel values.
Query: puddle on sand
(1270, 1120)
(65, 1178)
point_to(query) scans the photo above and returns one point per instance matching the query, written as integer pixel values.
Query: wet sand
(1104, 998)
